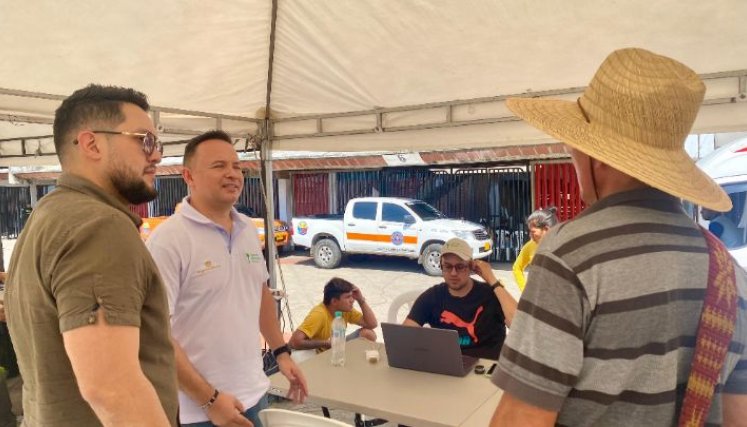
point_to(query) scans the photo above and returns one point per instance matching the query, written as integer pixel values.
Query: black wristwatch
(280, 350)
(496, 284)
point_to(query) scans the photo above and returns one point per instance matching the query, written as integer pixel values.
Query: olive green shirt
(80, 250)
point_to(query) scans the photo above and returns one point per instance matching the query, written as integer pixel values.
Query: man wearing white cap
(632, 314)
(478, 311)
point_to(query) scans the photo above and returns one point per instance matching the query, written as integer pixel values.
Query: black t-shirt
(477, 317)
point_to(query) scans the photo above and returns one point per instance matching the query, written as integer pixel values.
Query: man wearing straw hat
(632, 315)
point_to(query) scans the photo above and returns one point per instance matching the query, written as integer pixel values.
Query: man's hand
(228, 411)
(298, 389)
(484, 270)
(505, 299)
(358, 295)
(2, 311)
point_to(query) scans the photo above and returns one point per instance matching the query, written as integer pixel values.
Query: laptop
(426, 349)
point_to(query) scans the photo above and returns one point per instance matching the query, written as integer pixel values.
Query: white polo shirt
(214, 283)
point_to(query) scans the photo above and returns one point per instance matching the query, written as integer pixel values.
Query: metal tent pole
(266, 159)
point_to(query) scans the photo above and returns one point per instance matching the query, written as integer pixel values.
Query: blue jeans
(251, 413)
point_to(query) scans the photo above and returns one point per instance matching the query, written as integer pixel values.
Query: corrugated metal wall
(14, 201)
(253, 198)
(172, 189)
(498, 198)
(556, 185)
(310, 194)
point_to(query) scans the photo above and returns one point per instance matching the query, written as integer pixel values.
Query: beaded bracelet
(212, 400)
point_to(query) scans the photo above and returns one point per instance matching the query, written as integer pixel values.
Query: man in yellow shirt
(339, 295)
(539, 222)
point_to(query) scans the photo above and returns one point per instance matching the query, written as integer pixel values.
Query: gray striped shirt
(606, 326)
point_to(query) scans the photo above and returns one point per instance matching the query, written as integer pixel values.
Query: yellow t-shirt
(318, 323)
(522, 261)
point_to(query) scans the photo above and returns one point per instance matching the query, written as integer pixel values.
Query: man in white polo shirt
(212, 264)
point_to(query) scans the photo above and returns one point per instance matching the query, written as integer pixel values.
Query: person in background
(478, 310)
(339, 295)
(539, 223)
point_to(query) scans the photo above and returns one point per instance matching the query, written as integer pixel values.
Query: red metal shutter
(141, 209)
(555, 184)
(310, 194)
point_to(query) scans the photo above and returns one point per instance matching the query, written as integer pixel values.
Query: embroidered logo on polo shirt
(207, 266)
(253, 257)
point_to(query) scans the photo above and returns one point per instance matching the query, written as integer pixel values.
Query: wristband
(280, 350)
(497, 284)
(210, 402)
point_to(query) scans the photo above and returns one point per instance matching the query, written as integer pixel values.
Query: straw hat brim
(672, 171)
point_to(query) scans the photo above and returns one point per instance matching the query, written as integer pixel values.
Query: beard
(133, 189)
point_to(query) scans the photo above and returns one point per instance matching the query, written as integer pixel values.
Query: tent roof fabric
(367, 67)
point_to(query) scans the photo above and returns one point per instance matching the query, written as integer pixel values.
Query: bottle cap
(338, 313)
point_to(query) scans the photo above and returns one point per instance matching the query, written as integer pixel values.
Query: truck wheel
(327, 254)
(432, 259)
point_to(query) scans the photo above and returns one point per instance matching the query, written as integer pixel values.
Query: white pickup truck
(387, 226)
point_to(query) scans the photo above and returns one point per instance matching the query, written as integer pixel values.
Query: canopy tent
(397, 75)
(348, 75)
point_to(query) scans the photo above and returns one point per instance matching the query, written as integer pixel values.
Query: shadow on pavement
(358, 261)
(371, 262)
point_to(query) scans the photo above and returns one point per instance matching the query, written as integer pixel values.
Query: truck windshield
(425, 211)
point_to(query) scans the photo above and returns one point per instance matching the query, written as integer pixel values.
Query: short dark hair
(92, 105)
(191, 148)
(336, 287)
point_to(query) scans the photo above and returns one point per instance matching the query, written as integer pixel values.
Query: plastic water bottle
(338, 340)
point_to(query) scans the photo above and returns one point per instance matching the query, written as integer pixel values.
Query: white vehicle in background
(728, 167)
(387, 226)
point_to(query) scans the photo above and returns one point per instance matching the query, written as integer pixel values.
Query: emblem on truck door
(303, 228)
(397, 238)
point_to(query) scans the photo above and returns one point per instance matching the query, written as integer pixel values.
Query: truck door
(401, 229)
(361, 229)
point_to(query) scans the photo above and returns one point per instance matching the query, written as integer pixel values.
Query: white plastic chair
(400, 301)
(285, 418)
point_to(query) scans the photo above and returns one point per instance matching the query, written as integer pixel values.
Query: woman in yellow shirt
(539, 222)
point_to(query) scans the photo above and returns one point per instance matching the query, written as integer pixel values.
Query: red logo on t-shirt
(452, 319)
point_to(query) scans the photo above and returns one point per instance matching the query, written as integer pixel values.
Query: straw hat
(634, 116)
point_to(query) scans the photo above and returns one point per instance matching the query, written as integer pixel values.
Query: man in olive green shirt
(85, 303)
